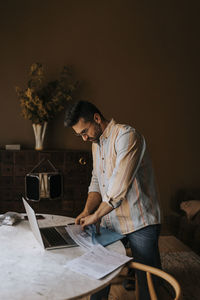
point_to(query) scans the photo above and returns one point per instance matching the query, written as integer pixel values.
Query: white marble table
(27, 271)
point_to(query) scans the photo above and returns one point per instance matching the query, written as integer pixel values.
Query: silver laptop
(49, 237)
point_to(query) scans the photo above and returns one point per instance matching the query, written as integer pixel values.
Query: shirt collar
(108, 129)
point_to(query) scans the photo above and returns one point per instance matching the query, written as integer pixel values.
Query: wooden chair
(157, 272)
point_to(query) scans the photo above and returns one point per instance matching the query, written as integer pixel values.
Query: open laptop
(49, 237)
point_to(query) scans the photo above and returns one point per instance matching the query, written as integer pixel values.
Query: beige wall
(139, 63)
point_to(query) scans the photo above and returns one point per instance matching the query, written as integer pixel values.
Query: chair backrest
(157, 272)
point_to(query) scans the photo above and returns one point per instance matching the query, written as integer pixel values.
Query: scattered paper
(81, 238)
(97, 262)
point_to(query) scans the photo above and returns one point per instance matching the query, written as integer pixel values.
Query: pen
(98, 228)
(71, 224)
(39, 217)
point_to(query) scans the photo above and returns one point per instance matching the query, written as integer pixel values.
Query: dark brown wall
(138, 60)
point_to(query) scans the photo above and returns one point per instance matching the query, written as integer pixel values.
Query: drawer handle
(82, 161)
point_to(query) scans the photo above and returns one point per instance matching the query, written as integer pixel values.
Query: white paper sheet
(82, 238)
(97, 262)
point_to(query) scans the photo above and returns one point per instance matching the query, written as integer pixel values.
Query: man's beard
(97, 133)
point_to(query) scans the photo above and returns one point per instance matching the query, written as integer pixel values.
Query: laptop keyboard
(52, 236)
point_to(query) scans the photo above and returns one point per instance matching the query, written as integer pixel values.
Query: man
(122, 193)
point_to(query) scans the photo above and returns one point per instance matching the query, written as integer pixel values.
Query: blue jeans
(144, 247)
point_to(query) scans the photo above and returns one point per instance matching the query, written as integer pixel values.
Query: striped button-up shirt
(123, 175)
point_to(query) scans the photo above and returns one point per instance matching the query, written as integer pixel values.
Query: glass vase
(39, 132)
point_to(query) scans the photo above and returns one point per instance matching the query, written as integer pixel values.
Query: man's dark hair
(80, 109)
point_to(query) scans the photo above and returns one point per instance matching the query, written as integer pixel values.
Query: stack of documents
(82, 238)
(97, 262)
(88, 238)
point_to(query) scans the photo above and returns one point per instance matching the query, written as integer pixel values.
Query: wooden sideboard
(74, 165)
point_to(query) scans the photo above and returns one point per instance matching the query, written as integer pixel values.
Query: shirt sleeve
(94, 184)
(130, 147)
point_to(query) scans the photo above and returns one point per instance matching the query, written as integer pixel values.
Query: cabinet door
(75, 167)
(77, 174)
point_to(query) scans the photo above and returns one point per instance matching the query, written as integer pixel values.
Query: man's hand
(92, 203)
(95, 218)
(82, 215)
(91, 219)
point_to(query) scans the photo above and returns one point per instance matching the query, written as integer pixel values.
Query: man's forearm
(93, 202)
(103, 210)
